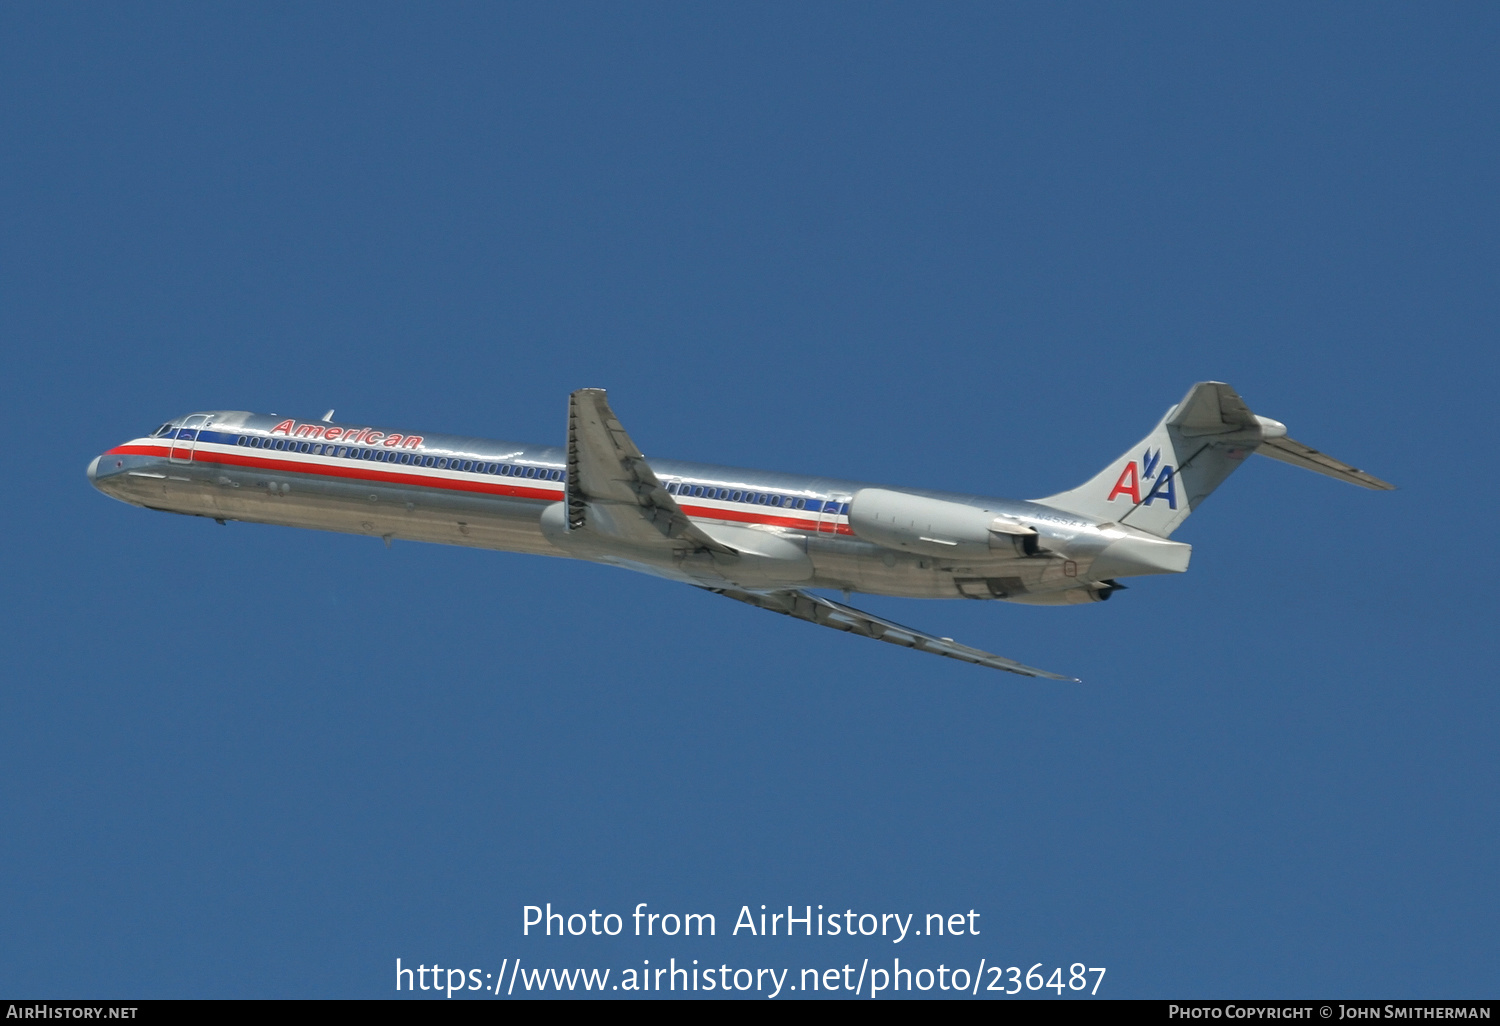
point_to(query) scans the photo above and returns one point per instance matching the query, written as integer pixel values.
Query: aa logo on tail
(1148, 467)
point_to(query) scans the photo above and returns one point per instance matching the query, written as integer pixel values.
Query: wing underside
(609, 481)
(828, 613)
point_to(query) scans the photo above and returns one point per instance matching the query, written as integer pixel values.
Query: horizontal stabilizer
(1299, 455)
(827, 613)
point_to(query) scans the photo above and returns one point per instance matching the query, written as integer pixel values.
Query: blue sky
(972, 247)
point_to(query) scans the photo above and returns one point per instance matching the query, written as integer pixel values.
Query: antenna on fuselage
(328, 417)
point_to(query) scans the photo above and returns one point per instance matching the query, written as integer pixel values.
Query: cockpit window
(161, 430)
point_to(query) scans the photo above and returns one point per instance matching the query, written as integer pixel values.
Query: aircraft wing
(816, 609)
(611, 488)
(1305, 456)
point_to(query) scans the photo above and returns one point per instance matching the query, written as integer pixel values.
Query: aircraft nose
(94, 471)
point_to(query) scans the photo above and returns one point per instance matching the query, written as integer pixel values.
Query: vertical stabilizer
(1163, 478)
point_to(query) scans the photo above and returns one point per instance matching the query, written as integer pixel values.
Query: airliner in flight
(763, 538)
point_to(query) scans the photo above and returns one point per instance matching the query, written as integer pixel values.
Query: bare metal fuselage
(494, 495)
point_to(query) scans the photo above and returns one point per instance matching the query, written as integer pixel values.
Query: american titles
(349, 436)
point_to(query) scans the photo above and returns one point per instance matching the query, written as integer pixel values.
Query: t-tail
(1200, 442)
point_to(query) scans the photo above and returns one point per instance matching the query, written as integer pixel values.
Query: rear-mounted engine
(934, 527)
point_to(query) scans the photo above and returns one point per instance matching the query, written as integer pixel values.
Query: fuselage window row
(687, 491)
(405, 458)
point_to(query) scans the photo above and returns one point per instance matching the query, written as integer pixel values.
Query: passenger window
(776, 500)
(799, 503)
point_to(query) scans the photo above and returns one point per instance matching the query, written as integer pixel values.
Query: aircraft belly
(853, 565)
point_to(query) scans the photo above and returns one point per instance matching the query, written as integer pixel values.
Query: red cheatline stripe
(455, 485)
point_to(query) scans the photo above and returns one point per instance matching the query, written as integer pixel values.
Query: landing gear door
(180, 449)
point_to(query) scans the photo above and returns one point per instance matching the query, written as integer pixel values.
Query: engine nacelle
(934, 527)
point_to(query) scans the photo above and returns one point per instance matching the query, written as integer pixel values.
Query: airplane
(762, 538)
